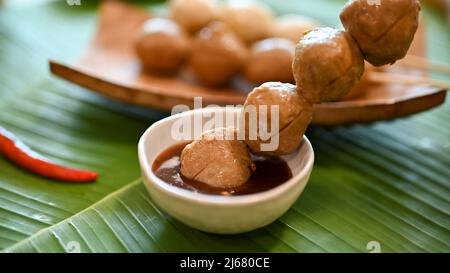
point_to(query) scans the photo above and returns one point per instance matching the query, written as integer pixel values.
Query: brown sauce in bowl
(270, 172)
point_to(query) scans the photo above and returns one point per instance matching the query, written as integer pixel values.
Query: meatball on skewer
(327, 64)
(294, 116)
(218, 159)
(384, 32)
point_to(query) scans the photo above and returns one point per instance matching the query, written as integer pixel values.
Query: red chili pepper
(16, 151)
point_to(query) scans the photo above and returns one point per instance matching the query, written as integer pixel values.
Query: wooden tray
(109, 66)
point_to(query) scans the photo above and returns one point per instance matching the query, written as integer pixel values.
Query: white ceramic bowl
(214, 213)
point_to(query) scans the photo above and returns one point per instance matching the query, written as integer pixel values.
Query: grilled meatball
(271, 60)
(162, 45)
(294, 116)
(327, 64)
(384, 32)
(217, 55)
(218, 159)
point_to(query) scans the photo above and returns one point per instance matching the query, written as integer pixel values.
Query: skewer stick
(406, 79)
(424, 64)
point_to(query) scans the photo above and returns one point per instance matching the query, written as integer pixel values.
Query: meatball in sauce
(270, 172)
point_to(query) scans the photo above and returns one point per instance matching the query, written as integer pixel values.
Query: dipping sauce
(270, 172)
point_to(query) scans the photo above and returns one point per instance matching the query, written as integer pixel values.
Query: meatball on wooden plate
(110, 66)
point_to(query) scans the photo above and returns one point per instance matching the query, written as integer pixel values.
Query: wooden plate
(109, 66)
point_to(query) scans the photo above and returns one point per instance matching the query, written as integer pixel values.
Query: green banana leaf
(374, 187)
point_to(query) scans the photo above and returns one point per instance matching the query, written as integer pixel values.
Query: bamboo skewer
(384, 77)
(424, 64)
(413, 62)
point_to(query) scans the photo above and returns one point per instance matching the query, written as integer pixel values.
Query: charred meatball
(162, 45)
(271, 60)
(327, 64)
(192, 15)
(294, 116)
(218, 159)
(384, 32)
(217, 55)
